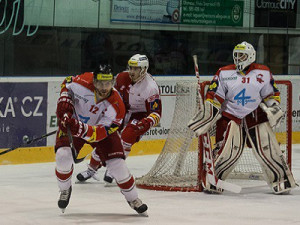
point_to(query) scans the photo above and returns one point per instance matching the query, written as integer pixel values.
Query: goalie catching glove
(274, 113)
(205, 118)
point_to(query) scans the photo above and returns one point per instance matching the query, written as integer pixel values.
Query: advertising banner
(275, 13)
(168, 97)
(149, 11)
(296, 105)
(23, 113)
(213, 13)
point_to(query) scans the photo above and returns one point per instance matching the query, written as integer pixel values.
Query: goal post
(179, 167)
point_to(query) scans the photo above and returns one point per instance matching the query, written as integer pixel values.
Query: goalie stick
(28, 142)
(207, 151)
(210, 168)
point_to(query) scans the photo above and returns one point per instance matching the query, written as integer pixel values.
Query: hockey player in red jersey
(140, 94)
(244, 103)
(90, 111)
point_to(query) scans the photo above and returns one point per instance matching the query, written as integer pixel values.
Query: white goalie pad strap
(230, 151)
(274, 114)
(268, 153)
(204, 119)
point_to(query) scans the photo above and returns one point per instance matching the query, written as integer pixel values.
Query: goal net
(180, 163)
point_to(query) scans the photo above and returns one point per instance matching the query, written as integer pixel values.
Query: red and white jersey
(105, 112)
(141, 99)
(241, 94)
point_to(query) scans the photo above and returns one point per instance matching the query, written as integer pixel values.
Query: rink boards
(27, 108)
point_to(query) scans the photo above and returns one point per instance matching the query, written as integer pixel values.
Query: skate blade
(113, 184)
(144, 214)
(63, 210)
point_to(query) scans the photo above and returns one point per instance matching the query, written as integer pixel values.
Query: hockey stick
(210, 168)
(74, 152)
(28, 142)
(207, 151)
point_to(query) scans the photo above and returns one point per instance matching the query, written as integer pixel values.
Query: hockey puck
(25, 139)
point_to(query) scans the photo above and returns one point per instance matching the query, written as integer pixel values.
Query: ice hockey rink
(29, 193)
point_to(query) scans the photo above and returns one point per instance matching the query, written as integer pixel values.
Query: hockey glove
(77, 128)
(205, 118)
(64, 105)
(143, 126)
(274, 114)
(62, 123)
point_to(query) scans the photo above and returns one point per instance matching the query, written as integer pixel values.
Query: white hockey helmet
(139, 61)
(243, 55)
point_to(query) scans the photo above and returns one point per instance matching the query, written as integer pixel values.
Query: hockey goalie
(244, 103)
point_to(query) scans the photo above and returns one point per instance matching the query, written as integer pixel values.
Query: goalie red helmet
(243, 55)
(138, 66)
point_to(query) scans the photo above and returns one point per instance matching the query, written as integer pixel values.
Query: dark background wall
(59, 50)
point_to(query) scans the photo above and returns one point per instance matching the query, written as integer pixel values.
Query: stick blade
(229, 186)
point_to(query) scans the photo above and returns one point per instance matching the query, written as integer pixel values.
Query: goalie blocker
(205, 118)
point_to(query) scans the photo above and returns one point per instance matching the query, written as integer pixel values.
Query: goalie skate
(139, 207)
(282, 187)
(64, 199)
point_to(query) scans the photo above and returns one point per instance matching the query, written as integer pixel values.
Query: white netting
(177, 165)
(178, 162)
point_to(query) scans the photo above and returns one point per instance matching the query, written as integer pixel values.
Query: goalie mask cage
(179, 166)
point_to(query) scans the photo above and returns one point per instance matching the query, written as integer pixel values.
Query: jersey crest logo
(154, 105)
(259, 78)
(213, 86)
(241, 98)
(69, 79)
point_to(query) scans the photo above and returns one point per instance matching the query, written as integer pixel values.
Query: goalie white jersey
(240, 94)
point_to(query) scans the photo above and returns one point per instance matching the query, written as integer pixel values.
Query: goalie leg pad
(204, 119)
(267, 151)
(230, 151)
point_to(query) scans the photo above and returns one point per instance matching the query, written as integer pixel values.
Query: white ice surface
(29, 193)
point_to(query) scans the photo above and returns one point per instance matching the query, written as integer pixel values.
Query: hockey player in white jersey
(141, 96)
(90, 111)
(244, 103)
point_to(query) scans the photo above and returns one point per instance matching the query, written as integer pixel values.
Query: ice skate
(108, 179)
(282, 188)
(139, 207)
(64, 199)
(87, 174)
